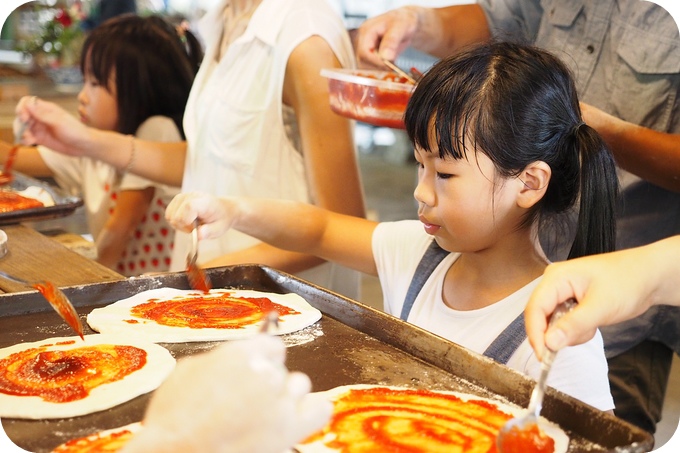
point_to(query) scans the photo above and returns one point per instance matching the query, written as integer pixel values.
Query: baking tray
(351, 344)
(64, 204)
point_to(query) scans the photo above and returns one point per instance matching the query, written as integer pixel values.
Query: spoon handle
(536, 400)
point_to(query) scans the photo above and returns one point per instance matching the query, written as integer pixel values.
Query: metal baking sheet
(64, 204)
(351, 344)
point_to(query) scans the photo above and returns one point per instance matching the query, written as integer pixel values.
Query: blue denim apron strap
(430, 260)
(505, 344)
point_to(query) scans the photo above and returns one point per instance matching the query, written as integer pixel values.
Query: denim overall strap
(505, 344)
(430, 260)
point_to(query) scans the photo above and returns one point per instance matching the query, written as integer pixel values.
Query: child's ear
(534, 179)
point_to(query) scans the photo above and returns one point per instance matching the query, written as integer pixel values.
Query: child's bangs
(446, 107)
(98, 60)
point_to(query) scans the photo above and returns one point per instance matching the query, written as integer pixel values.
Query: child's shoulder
(159, 128)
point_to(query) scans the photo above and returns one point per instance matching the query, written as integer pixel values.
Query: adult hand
(51, 126)
(237, 398)
(609, 288)
(386, 35)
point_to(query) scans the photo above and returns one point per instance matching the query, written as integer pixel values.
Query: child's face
(464, 203)
(97, 106)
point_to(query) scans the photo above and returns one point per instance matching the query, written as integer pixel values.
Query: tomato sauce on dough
(12, 201)
(414, 421)
(61, 376)
(209, 311)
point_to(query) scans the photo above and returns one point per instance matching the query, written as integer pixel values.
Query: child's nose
(423, 192)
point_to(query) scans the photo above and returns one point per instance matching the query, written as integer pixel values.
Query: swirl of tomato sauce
(414, 421)
(96, 443)
(12, 201)
(217, 312)
(61, 376)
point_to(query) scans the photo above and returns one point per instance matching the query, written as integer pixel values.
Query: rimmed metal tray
(351, 344)
(64, 204)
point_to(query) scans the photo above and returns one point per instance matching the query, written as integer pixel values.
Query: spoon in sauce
(523, 433)
(57, 300)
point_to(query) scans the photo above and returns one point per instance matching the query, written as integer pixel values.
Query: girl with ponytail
(501, 150)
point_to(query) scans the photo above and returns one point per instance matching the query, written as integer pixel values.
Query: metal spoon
(536, 401)
(57, 300)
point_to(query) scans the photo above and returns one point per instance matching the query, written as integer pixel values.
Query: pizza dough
(186, 315)
(30, 198)
(157, 366)
(428, 425)
(108, 440)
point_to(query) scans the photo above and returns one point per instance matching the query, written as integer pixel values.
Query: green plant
(59, 38)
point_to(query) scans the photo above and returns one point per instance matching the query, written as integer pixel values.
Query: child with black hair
(501, 148)
(138, 73)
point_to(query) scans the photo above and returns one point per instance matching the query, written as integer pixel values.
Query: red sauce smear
(6, 173)
(198, 279)
(12, 201)
(413, 421)
(61, 304)
(61, 376)
(221, 311)
(529, 439)
(97, 443)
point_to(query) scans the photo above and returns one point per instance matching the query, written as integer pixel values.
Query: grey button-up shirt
(625, 56)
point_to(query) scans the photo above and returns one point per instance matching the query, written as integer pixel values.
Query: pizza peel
(57, 300)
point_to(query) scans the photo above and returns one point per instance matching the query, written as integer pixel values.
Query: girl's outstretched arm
(293, 226)
(27, 160)
(57, 129)
(609, 288)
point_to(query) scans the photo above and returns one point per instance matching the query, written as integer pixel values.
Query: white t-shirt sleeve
(397, 249)
(67, 170)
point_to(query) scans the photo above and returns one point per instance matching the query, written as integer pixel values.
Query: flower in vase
(59, 38)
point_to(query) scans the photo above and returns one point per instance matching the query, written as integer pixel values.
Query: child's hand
(237, 398)
(215, 215)
(50, 125)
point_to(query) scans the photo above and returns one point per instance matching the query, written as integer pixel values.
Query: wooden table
(32, 256)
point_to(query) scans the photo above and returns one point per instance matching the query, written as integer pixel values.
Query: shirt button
(590, 48)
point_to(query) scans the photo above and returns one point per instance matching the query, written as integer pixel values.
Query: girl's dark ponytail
(596, 228)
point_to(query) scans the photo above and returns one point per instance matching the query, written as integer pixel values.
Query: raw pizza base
(159, 364)
(551, 429)
(39, 194)
(115, 318)
(84, 444)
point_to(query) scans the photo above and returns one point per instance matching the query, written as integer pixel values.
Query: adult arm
(57, 129)
(437, 31)
(649, 154)
(288, 225)
(609, 288)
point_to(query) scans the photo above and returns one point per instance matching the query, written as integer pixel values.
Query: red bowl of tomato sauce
(370, 96)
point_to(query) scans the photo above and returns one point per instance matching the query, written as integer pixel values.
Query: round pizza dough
(117, 318)
(102, 440)
(319, 446)
(159, 364)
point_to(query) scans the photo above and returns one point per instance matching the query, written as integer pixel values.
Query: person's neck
(479, 279)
